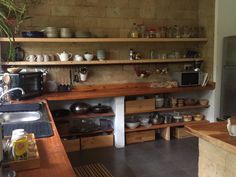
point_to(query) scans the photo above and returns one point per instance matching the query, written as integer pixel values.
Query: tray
(33, 160)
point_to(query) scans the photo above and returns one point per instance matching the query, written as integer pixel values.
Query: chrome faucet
(11, 90)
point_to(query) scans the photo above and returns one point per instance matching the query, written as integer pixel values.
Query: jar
(152, 33)
(163, 30)
(19, 144)
(134, 31)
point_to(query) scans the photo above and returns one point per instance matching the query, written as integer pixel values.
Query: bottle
(131, 54)
(19, 144)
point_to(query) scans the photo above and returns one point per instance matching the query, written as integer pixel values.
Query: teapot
(64, 56)
(231, 128)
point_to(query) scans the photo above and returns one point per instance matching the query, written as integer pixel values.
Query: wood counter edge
(194, 130)
(54, 161)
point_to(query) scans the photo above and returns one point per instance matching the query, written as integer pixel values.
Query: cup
(39, 58)
(101, 54)
(31, 58)
(83, 77)
(46, 58)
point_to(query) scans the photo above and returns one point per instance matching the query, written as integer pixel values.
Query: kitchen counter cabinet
(217, 150)
(53, 158)
(130, 89)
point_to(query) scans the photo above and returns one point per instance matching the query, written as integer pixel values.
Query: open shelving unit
(161, 126)
(170, 109)
(104, 62)
(104, 40)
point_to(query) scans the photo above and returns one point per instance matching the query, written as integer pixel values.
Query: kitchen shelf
(169, 109)
(69, 134)
(104, 62)
(154, 127)
(103, 40)
(73, 116)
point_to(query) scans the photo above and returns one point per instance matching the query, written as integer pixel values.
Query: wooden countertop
(104, 91)
(53, 158)
(215, 133)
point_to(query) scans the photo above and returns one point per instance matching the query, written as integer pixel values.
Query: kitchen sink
(33, 118)
(13, 117)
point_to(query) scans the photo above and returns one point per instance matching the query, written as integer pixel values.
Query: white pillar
(119, 122)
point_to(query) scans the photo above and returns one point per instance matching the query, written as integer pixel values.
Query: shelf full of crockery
(103, 62)
(169, 109)
(161, 126)
(103, 40)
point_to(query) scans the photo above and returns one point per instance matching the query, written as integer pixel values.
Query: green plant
(11, 14)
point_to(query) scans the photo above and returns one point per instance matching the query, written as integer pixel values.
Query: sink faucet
(11, 90)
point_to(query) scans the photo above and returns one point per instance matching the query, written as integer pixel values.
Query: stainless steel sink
(13, 117)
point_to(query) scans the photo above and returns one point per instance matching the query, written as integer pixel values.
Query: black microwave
(188, 78)
(30, 82)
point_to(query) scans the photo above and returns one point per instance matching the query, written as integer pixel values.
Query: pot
(80, 108)
(100, 108)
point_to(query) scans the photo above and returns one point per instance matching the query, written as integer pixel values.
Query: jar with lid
(163, 30)
(142, 30)
(152, 33)
(134, 31)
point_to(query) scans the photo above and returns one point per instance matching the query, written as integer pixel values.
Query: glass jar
(152, 33)
(163, 31)
(134, 31)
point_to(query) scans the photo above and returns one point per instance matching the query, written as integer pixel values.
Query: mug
(46, 58)
(83, 77)
(39, 58)
(31, 58)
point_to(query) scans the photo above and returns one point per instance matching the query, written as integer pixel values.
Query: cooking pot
(80, 108)
(100, 108)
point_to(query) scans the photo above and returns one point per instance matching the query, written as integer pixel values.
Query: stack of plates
(83, 34)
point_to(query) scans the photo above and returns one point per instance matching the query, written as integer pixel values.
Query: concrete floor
(177, 158)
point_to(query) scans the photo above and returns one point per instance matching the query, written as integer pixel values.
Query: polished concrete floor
(177, 158)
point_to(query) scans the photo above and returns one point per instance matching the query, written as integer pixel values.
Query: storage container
(138, 137)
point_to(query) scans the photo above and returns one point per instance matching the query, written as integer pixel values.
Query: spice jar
(152, 33)
(134, 31)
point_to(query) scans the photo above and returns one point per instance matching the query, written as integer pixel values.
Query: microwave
(30, 82)
(188, 78)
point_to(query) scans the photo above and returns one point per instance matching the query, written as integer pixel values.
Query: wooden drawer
(137, 137)
(139, 105)
(96, 141)
(71, 145)
(180, 132)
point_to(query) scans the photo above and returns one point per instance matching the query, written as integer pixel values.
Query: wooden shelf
(170, 109)
(85, 116)
(154, 127)
(64, 135)
(105, 62)
(103, 40)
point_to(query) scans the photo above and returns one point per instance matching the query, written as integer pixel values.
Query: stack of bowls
(51, 32)
(65, 33)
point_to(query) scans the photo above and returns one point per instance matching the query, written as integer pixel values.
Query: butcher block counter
(53, 158)
(217, 150)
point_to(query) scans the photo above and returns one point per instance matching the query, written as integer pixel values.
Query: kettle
(19, 54)
(231, 128)
(64, 56)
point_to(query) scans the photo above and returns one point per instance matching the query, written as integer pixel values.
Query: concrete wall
(225, 25)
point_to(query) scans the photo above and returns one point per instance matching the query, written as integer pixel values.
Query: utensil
(80, 108)
(64, 56)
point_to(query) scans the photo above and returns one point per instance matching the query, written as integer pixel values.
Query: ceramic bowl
(14, 70)
(88, 56)
(132, 125)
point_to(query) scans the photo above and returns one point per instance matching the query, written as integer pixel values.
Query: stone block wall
(114, 18)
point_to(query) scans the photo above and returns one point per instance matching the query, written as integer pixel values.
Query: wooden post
(165, 133)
